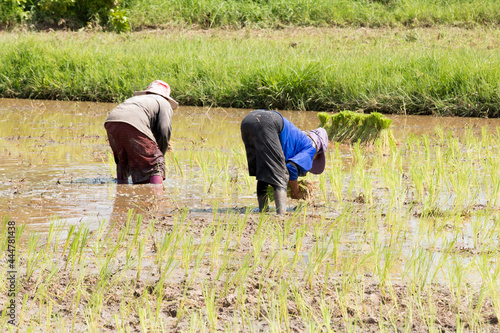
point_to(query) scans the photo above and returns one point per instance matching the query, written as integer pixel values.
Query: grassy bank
(141, 14)
(276, 14)
(445, 71)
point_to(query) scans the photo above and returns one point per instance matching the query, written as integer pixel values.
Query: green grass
(276, 14)
(143, 14)
(421, 71)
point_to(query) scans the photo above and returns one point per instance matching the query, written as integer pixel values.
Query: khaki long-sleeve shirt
(151, 114)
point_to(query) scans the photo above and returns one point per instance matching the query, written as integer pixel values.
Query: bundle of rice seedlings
(350, 127)
(306, 186)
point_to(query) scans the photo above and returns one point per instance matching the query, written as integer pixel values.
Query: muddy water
(55, 163)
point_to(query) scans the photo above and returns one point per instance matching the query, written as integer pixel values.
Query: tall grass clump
(276, 13)
(325, 71)
(352, 127)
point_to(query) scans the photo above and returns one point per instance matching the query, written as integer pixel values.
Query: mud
(361, 303)
(55, 167)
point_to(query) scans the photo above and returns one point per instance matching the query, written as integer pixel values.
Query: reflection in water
(141, 199)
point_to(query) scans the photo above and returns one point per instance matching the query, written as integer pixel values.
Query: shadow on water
(95, 181)
(232, 210)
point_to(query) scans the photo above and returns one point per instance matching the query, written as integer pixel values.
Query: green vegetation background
(391, 56)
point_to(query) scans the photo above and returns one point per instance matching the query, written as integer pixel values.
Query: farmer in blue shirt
(278, 153)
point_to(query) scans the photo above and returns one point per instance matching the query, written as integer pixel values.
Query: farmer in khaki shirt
(139, 131)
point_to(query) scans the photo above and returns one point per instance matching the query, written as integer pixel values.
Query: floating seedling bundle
(350, 127)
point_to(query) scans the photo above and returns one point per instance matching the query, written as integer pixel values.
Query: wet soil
(55, 168)
(361, 303)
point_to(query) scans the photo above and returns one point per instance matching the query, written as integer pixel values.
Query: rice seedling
(317, 258)
(187, 252)
(177, 164)
(196, 322)
(323, 187)
(300, 234)
(111, 164)
(210, 306)
(140, 255)
(335, 174)
(215, 248)
(200, 255)
(165, 258)
(33, 256)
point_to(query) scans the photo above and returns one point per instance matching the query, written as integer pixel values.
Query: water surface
(55, 163)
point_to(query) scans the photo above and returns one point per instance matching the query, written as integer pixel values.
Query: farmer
(278, 153)
(138, 133)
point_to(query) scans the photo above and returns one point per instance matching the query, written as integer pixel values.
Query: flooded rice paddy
(416, 213)
(55, 163)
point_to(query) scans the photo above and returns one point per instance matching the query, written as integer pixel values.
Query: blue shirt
(298, 148)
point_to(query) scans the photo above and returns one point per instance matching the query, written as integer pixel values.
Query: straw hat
(161, 88)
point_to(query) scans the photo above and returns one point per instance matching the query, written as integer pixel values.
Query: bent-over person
(139, 132)
(278, 153)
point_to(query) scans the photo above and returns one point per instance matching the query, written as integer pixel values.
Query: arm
(164, 128)
(293, 171)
